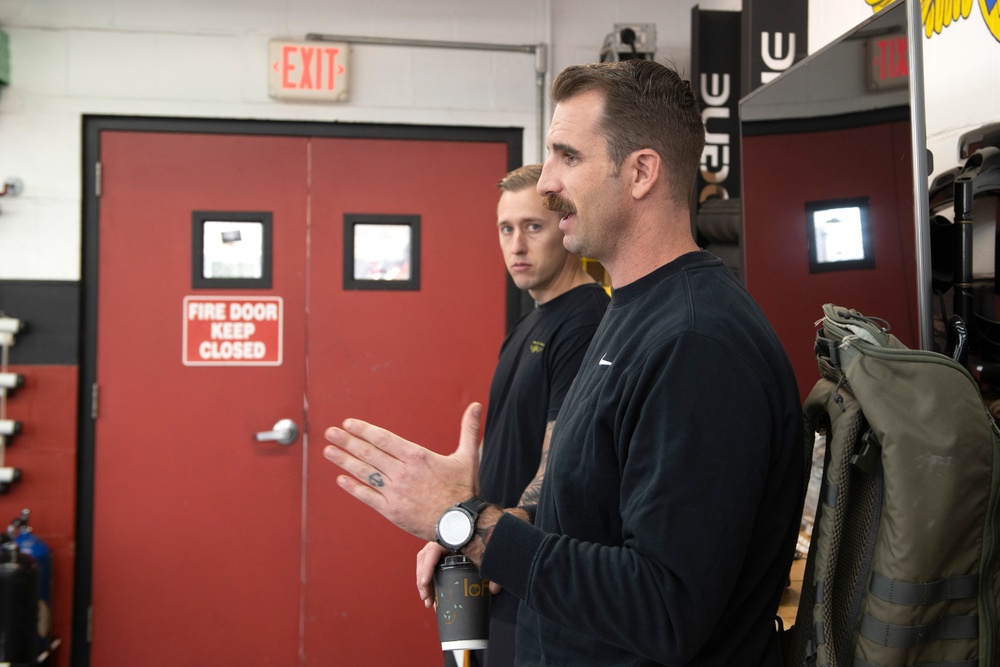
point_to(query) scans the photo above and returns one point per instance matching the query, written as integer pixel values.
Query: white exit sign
(308, 70)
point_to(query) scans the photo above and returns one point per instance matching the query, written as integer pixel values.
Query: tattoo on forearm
(534, 488)
(375, 479)
(530, 495)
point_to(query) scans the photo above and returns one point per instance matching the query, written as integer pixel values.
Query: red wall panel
(45, 452)
(781, 173)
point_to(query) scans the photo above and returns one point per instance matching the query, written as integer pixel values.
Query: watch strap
(475, 504)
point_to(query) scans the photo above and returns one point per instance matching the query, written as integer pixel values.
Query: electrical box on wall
(630, 41)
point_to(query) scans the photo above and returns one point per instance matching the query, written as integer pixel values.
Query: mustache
(558, 204)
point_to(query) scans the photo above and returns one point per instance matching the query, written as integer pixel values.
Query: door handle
(284, 433)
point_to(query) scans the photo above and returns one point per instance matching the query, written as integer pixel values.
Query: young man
(669, 513)
(542, 353)
(538, 360)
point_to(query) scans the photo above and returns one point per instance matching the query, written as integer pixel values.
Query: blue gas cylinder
(18, 605)
(30, 544)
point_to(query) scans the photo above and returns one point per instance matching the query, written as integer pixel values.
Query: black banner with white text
(715, 75)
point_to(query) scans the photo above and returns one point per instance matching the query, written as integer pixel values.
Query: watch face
(455, 527)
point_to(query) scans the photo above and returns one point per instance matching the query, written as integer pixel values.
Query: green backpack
(904, 557)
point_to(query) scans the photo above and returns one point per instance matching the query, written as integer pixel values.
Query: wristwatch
(457, 525)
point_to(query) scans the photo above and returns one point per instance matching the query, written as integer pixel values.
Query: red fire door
(213, 544)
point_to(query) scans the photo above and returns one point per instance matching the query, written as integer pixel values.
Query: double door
(209, 545)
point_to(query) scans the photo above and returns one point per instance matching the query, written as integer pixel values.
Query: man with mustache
(669, 513)
(538, 360)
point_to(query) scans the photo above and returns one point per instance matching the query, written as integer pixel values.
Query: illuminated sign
(232, 331)
(888, 63)
(308, 70)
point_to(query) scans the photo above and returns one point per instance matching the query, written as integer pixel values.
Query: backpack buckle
(871, 451)
(828, 348)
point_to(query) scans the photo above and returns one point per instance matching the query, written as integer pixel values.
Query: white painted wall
(208, 58)
(961, 86)
(961, 72)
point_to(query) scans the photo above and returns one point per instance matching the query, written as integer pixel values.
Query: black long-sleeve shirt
(668, 517)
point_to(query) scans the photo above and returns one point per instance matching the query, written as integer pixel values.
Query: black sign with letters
(775, 37)
(715, 75)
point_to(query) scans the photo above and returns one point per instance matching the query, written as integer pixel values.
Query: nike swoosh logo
(603, 362)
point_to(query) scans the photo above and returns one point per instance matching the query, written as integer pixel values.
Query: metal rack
(9, 428)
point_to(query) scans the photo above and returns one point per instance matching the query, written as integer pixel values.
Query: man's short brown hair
(646, 105)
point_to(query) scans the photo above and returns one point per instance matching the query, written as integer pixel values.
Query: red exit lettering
(891, 59)
(305, 67)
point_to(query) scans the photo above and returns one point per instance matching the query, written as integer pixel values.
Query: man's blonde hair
(521, 178)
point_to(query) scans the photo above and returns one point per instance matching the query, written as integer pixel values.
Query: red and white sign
(888, 62)
(232, 331)
(308, 70)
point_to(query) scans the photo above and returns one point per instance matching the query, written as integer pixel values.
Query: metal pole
(541, 66)
(540, 51)
(921, 203)
(428, 43)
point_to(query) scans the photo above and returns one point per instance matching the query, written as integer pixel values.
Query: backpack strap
(900, 592)
(861, 662)
(838, 353)
(909, 636)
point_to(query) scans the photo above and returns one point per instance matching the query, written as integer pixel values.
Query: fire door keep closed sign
(232, 331)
